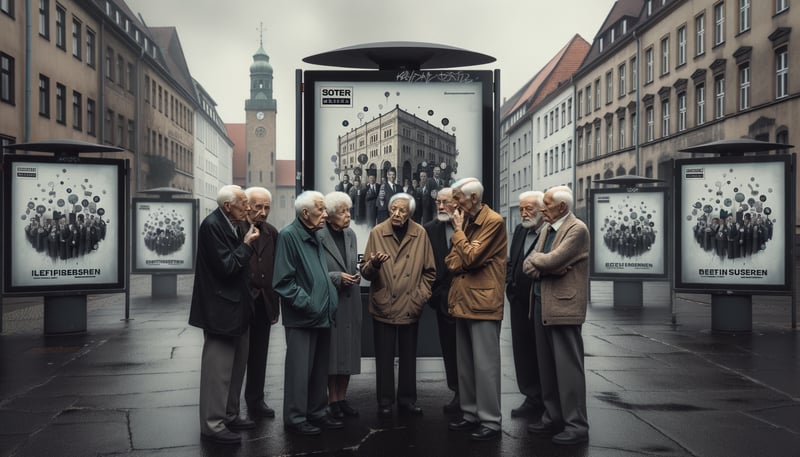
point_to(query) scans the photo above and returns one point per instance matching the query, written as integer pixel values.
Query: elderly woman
(339, 244)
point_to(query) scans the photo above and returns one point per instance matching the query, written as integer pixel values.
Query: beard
(529, 222)
(443, 217)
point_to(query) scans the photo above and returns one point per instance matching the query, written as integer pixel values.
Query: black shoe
(462, 425)
(484, 434)
(410, 408)
(526, 409)
(303, 428)
(327, 422)
(260, 409)
(384, 411)
(335, 411)
(223, 437)
(541, 428)
(454, 406)
(347, 409)
(240, 423)
(568, 437)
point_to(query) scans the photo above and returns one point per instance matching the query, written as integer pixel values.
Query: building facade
(213, 153)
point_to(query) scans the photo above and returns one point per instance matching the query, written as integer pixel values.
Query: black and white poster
(163, 235)
(733, 218)
(65, 224)
(629, 232)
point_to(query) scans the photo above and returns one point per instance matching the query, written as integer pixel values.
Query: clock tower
(260, 111)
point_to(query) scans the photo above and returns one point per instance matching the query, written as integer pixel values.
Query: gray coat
(345, 355)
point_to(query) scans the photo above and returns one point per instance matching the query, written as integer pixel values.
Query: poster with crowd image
(64, 225)
(164, 235)
(733, 219)
(629, 236)
(416, 131)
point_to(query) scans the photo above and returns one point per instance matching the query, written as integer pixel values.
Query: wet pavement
(130, 388)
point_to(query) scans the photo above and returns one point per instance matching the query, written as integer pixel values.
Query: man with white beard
(518, 291)
(439, 232)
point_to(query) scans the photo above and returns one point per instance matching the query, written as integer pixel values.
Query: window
(579, 146)
(744, 15)
(44, 95)
(648, 59)
(90, 45)
(621, 132)
(621, 73)
(719, 96)
(61, 28)
(634, 74)
(665, 56)
(597, 139)
(719, 23)
(649, 6)
(578, 105)
(129, 77)
(682, 111)
(77, 111)
(649, 115)
(597, 93)
(7, 6)
(634, 128)
(76, 38)
(589, 143)
(563, 115)
(61, 103)
(569, 111)
(44, 18)
(121, 130)
(682, 45)
(109, 127)
(131, 135)
(7, 78)
(782, 72)
(609, 137)
(609, 87)
(744, 87)
(700, 103)
(120, 70)
(147, 89)
(700, 35)
(664, 118)
(781, 6)
(588, 99)
(110, 64)
(91, 117)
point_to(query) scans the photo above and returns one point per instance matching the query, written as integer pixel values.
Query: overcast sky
(219, 38)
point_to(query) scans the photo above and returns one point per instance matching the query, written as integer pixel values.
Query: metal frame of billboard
(150, 257)
(627, 261)
(735, 189)
(74, 190)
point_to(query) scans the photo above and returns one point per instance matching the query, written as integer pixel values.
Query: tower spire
(261, 34)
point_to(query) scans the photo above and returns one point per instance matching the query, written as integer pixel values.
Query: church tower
(260, 111)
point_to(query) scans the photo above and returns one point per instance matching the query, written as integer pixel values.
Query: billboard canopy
(58, 147)
(738, 146)
(395, 55)
(628, 180)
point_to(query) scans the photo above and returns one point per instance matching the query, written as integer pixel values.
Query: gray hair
(469, 186)
(412, 204)
(335, 200)
(306, 200)
(561, 194)
(446, 191)
(250, 191)
(533, 195)
(227, 194)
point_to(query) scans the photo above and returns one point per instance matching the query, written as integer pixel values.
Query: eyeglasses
(442, 202)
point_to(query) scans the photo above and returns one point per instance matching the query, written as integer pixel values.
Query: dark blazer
(262, 267)
(221, 300)
(441, 247)
(518, 284)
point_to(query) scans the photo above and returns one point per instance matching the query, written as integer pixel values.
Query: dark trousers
(560, 352)
(523, 343)
(257, 358)
(403, 339)
(305, 383)
(447, 340)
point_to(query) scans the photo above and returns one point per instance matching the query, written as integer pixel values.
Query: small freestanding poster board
(64, 228)
(734, 226)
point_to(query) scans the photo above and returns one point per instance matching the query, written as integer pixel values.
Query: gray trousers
(222, 370)
(305, 383)
(559, 349)
(478, 354)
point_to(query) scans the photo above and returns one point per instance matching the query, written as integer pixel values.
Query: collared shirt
(557, 224)
(230, 224)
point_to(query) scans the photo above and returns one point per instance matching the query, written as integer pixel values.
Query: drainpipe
(638, 114)
(28, 110)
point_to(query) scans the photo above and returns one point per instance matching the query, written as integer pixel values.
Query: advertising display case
(163, 235)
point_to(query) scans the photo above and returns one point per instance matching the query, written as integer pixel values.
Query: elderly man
(518, 291)
(221, 306)
(399, 263)
(425, 195)
(478, 263)
(559, 266)
(309, 309)
(440, 231)
(266, 308)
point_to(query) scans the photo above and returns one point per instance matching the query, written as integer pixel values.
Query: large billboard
(629, 233)
(734, 223)
(399, 124)
(163, 235)
(64, 225)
